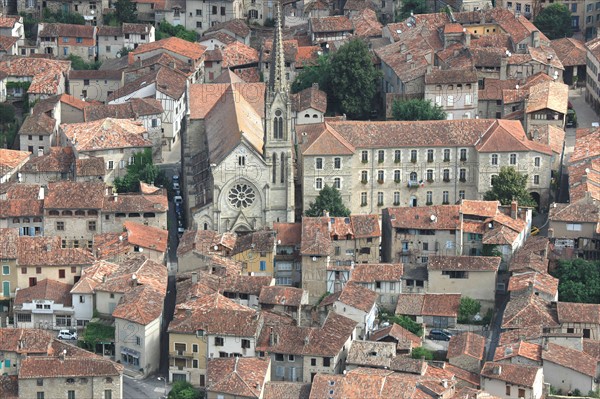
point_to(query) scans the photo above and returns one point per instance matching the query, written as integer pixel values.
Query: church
(238, 151)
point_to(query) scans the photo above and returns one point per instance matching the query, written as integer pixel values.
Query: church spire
(277, 80)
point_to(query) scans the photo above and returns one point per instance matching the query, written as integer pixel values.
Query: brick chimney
(514, 208)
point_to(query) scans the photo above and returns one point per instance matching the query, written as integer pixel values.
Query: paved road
(585, 117)
(150, 388)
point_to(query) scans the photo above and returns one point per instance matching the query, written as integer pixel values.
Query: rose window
(241, 196)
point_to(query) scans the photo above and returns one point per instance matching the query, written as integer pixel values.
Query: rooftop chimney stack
(194, 277)
(514, 206)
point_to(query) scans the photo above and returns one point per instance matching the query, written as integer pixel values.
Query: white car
(178, 199)
(175, 185)
(67, 334)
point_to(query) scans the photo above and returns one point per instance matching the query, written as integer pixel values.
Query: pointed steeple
(277, 81)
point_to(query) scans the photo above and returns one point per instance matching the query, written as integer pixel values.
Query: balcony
(413, 184)
(184, 354)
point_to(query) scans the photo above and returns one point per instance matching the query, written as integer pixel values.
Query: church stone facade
(238, 164)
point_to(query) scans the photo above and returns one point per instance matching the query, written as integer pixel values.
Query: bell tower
(278, 137)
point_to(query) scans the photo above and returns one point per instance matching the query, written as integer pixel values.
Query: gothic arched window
(282, 167)
(278, 125)
(274, 167)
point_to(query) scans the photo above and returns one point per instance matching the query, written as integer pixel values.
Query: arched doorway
(536, 197)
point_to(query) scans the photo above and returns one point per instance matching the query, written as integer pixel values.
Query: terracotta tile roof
(74, 195)
(466, 343)
(542, 282)
(172, 44)
(258, 241)
(285, 339)
(9, 387)
(310, 97)
(59, 160)
(108, 74)
(320, 138)
(238, 54)
(288, 233)
(239, 99)
(69, 367)
(244, 284)
(518, 334)
(286, 390)
(277, 295)
(371, 354)
(446, 217)
(106, 134)
(468, 377)
(21, 207)
(142, 304)
(220, 36)
(45, 73)
(506, 136)
(570, 312)
(238, 376)
(445, 305)
(6, 42)
(587, 145)
(315, 237)
(136, 202)
(366, 23)
(147, 273)
(204, 241)
(551, 136)
(450, 76)
(528, 309)
(592, 348)
(548, 95)
(523, 349)
(169, 81)
(38, 124)
(307, 55)
(330, 339)
(147, 236)
(358, 297)
(50, 290)
(338, 23)
(235, 26)
(11, 159)
(466, 263)
(493, 88)
(48, 251)
(369, 273)
(92, 276)
(516, 374)
(571, 52)
(67, 30)
(215, 314)
(399, 333)
(93, 166)
(9, 21)
(572, 359)
(593, 46)
(9, 243)
(25, 340)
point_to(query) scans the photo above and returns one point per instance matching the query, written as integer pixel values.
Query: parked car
(180, 231)
(440, 335)
(571, 118)
(535, 230)
(67, 334)
(178, 199)
(175, 178)
(176, 186)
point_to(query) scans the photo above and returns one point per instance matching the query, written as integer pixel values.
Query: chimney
(445, 383)
(41, 194)
(63, 354)
(115, 197)
(134, 281)
(194, 277)
(467, 37)
(535, 38)
(514, 206)
(139, 60)
(545, 343)
(497, 370)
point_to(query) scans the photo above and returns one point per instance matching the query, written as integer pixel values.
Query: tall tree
(411, 7)
(417, 110)
(554, 21)
(184, 390)
(579, 281)
(329, 199)
(354, 79)
(125, 11)
(142, 169)
(509, 186)
(318, 73)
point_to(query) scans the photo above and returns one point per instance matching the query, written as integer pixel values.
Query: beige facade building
(375, 165)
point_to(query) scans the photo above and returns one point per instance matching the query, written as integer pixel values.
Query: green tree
(142, 169)
(78, 63)
(468, 308)
(417, 110)
(125, 11)
(579, 280)
(554, 21)
(354, 79)
(167, 30)
(407, 323)
(8, 125)
(329, 199)
(411, 6)
(421, 353)
(184, 390)
(510, 185)
(7, 113)
(318, 73)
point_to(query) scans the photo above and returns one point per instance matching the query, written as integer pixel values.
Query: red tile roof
(238, 376)
(286, 390)
(173, 44)
(278, 295)
(338, 23)
(445, 305)
(48, 251)
(358, 297)
(585, 313)
(523, 349)
(45, 73)
(370, 273)
(466, 263)
(571, 52)
(288, 233)
(74, 195)
(397, 332)
(516, 374)
(69, 367)
(105, 134)
(572, 359)
(528, 309)
(50, 290)
(142, 304)
(542, 282)
(466, 343)
(67, 30)
(236, 26)
(147, 236)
